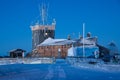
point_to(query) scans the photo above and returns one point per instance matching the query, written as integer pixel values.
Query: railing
(5, 61)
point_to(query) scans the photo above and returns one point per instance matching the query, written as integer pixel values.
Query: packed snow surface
(60, 70)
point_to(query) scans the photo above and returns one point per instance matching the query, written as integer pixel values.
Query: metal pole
(83, 40)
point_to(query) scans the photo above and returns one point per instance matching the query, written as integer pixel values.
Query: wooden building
(17, 53)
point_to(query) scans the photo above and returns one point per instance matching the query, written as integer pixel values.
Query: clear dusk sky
(101, 18)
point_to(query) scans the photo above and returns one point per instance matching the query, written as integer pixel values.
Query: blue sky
(101, 17)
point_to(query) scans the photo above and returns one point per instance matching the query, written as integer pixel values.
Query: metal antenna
(40, 11)
(43, 13)
(47, 12)
(83, 40)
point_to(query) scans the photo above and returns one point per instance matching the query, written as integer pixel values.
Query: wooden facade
(17, 53)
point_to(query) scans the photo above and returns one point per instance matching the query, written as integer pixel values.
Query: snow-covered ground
(98, 66)
(60, 70)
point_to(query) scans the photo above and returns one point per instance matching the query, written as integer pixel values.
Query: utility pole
(83, 39)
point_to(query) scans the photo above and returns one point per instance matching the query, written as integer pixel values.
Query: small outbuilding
(17, 53)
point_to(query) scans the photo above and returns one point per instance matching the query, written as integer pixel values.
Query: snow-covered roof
(51, 41)
(88, 41)
(88, 46)
(14, 50)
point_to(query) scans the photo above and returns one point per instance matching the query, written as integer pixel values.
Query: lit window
(46, 33)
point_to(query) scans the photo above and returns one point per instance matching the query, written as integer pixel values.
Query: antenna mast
(43, 14)
(83, 39)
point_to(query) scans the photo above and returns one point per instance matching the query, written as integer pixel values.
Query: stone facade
(40, 33)
(57, 51)
(58, 48)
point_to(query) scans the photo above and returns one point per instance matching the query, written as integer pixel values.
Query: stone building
(42, 30)
(53, 48)
(58, 48)
(44, 44)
